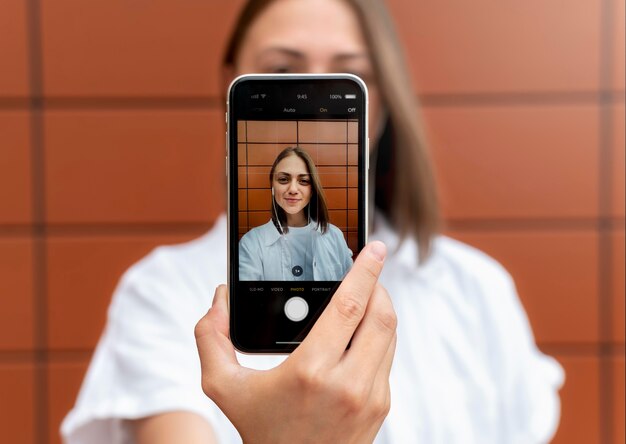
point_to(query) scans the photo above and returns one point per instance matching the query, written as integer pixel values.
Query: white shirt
(300, 241)
(466, 368)
(265, 255)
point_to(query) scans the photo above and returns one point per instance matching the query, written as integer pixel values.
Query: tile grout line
(35, 102)
(481, 225)
(460, 99)
(607, 223)
(605, 116)
(523, 98)
(107, 228)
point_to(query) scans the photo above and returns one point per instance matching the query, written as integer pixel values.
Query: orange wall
(112, 142)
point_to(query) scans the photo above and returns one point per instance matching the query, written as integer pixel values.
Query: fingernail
(378, 250)
(217, 290)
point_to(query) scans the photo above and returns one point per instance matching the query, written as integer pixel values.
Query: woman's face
(292, 185)
(309, 36)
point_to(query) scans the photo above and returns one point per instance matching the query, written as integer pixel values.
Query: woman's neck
(297, 220)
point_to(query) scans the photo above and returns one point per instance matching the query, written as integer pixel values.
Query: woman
(465, 366)
(298, 243)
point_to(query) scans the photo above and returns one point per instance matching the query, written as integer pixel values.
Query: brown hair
(318, 210)
(405, 187)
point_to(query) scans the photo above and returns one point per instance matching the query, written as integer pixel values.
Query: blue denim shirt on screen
(264, 255)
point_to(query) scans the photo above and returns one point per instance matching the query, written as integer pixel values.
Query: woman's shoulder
(467, 264)
(334, 231)
(266, 233)
(333, 236)
(464, 255)
(200, 258)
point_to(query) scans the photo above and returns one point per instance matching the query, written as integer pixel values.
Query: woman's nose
(293, 187)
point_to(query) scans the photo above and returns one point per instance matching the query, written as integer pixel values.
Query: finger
(381, 393)
(217, 354)
(372, 338)
(331, 334)
(379, 399)
(382, 377)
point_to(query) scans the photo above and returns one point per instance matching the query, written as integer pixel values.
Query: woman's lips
(292, 201)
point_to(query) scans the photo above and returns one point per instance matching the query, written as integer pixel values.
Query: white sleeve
(146, 361)
(347, 255)
(343, 251)
(528, 381)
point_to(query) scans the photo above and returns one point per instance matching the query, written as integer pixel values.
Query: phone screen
(296, 164)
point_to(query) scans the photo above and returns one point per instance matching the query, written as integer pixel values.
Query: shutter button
(296, 309)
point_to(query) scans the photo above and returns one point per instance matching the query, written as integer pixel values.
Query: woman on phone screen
(465, 365)
(298, 243)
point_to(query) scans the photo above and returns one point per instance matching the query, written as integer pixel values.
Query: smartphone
(297, 161)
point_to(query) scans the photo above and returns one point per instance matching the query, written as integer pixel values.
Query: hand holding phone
(322, 390)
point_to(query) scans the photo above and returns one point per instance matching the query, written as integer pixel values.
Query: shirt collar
(270, 233)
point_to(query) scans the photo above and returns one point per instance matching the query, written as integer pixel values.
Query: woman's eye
(283, 180)
(304, 181)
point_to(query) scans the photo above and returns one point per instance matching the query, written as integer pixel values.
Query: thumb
(217, 354)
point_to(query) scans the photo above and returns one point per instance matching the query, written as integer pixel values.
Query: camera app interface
(298, 183)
